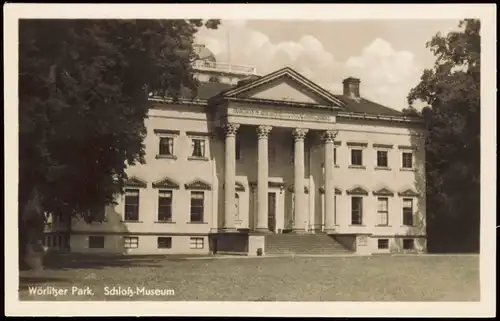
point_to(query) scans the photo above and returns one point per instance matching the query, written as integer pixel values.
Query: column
(229, 175)
(301, 209)
(329, 139)
(262, 177)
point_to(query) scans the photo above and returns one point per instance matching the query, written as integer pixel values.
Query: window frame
(191, 206)
(203, 147)
(360, 150)
(130, 238)
(168, 242)
(196, 245)
(136, 205)
(380, 212)
(411, 241)
(170, 206)
(238, 149)
(386, 152)
(166, 134)
(170, 139)
(405, 214)
(411, 154)
(359, 211)
(96, 237)
(384, 247)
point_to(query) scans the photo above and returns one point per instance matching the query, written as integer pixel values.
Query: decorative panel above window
(167, 183)
(135, 182)
(357, 191)
(383, 192)
(409, 193)
(198, 184)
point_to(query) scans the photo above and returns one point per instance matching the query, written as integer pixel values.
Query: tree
(83, 99)
(451, 90)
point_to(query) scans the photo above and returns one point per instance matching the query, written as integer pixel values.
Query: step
(303, 244)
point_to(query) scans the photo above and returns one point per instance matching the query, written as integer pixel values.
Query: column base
(263, 230)
(228, 230)
(329, 230)
(300, 231)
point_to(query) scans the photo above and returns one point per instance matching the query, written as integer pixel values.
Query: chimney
(351, 87)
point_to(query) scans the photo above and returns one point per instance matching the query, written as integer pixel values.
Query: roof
(363, 105)
(208, 90)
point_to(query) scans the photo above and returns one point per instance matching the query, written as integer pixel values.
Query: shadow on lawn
(89, 261)
(27, 281)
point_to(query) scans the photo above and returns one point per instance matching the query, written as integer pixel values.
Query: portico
(302, 114)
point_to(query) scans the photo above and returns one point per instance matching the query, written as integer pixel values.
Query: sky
(388, 56)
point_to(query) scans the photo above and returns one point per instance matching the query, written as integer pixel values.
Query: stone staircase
(303, 244)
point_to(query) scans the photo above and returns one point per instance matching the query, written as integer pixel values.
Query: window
(96, 242)
(238, 149)
(356, 210)
(131, 205)
(130, 242)
(196, 243)
(407, 160)
(166, 146)
(164, 205)
(198, 147)
(383, 244)
(237, 206)
(383, 210)
(334, 156)
(382, 159)
(164, 242)
(408, 212)
(408, 244)
(272, 154)
(197, 206)
(357, 157)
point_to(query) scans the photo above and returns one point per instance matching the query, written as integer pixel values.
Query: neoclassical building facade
(258, 156)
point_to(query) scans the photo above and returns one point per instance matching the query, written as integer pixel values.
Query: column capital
(300, 133)
(230, 129)
(263, 131)
(329, 136)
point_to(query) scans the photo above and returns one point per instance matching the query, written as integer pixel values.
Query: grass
(376, 278)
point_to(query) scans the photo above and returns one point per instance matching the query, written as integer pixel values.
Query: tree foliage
(451, 91)
(83, 99)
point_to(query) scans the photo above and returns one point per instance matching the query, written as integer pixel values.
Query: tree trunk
(31, 225)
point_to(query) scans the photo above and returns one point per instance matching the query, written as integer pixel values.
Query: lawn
(376, 278)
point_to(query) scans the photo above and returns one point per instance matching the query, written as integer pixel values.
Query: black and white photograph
(223, 153)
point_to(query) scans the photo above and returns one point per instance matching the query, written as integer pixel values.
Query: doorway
(271, 211)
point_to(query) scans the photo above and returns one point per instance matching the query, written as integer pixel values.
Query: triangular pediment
(408, 193)
(166, 182)
(357, 191)
(135, 182)
(285, 85)
(383, 192)
(198, 184)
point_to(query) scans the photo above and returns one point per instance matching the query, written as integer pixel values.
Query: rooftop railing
(225, 67)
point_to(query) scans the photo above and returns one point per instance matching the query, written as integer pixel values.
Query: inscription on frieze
(290, 115)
